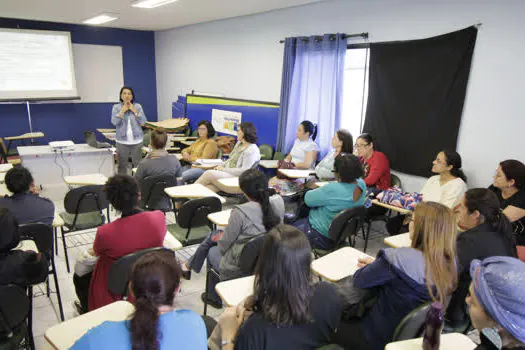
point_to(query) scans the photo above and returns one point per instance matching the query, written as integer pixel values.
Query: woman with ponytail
(155, 324)
(488, 233)
(303, 155)
(405, 278)
(261, 213)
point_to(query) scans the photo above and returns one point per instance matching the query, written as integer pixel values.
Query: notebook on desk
(91, 140)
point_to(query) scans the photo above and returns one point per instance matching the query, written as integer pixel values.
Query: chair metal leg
(60, 308)
(206, 291)
(65, 249)
(56, 240)
(30, 318)
(367, 236)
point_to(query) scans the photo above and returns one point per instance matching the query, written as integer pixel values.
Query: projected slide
(36, 65)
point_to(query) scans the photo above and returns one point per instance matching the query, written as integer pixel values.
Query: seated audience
(287, 310)
(244, 156)
(18, 267)
(405, 278)
(135, 230)
(326, 202)
(496, 302)
(447, 187)
(159, 161)
(261, 213)
(375, 163)
(204, 148)
(25, 203)
(302, 155)
(509, 186)
(342, 142)
(488, 233)
(155, 324)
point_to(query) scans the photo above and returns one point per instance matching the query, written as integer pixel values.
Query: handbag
(283, 164)
(355, 301)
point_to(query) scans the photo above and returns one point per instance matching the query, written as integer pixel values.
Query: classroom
(306, 174)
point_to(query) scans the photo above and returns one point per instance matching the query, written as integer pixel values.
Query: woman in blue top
(155, 282)
(128, 116)
(326, 202)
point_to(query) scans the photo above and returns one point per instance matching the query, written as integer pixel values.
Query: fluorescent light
(149, 4)
(100, 19)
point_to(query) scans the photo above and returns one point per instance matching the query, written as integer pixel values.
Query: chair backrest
(14, 308)
(120, 270)
(86, 199)
(331, 347)
(3, 148)
(41, 233)
(346, 224)
(412, 325)
(194, 213)
(152, 190)
(266, 152)
(278, 156)
(395, 181)
(250, 254)
(147, 137)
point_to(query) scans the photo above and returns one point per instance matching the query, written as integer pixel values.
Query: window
(355, 90)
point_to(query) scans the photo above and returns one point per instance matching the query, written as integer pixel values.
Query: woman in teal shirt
(155, 324)
(326, 202)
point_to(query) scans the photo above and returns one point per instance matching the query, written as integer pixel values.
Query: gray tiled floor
(46, 312)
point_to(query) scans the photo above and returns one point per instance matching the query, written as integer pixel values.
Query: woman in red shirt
(135, 230)
(375, 163)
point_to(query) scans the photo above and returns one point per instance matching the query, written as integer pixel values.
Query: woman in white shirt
(447, 187)
(244, 156)
(303, 156)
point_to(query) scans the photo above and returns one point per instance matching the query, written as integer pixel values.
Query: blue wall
(67, 121)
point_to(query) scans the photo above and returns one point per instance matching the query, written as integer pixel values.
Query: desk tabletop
(88, 179)
(204, 166)
(269, 164)
(220, 218)
(233, 292)
(391, 207)
(29, 135)
(338, 265)
(46, 150)
(4, 191)
(5, 167)
(112, 136)
(322, 183)
(2, 178)
(230, 182)
(171, 242)
(398, 241)
(192, 191)
(296, 173)
(65, 334)
(450, 341)
(58, 221)
(103, 131)
(187, 142)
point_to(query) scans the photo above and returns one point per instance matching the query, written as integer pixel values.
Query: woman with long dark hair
(128, 118)
(263, 211)
(488, 233)
(289, 311)
(509, 186)
(155, 324)
(244, 156)
(342, 142)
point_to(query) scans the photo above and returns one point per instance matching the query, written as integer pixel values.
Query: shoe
(213, 303)
(186, 274)
(78, 307)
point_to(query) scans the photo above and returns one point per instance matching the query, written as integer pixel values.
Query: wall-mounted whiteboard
(99, 72)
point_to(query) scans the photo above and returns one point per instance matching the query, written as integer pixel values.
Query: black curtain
(416, 95)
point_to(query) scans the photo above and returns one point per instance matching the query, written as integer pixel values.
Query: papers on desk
(209, 161)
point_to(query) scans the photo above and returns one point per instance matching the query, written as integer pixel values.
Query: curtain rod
(332, 36)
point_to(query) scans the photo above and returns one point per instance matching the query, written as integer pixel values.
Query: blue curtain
(315, 90)
(286, 84)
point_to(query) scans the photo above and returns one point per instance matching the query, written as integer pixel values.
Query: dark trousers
(82, 289)
(396, 225)
(350, 336)
(317, 239)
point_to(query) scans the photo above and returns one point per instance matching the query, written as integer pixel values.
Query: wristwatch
(226, 342)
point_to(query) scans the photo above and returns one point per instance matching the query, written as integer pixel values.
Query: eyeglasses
(357, 145)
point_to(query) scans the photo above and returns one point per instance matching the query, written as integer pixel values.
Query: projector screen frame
(54, 94)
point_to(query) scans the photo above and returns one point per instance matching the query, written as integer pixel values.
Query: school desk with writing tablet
(338, 265)
(63, 335)
(5, 167)
(233, 292)
(192, 191)
(391, 207)
(85, 180)
(322, 183)
(232, 183)
(398, 241)
(296, 173)
(450, 341)
(220, 218)
(269, 164)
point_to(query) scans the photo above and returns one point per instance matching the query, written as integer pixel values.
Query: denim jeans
(317, 239)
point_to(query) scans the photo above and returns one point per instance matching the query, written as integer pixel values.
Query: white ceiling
(177, 14)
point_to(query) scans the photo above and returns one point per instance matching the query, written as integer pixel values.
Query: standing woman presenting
(128, 117)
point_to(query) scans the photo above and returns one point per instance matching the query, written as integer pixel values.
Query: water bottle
(433, 327)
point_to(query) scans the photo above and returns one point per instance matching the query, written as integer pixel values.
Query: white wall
(242, 58)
